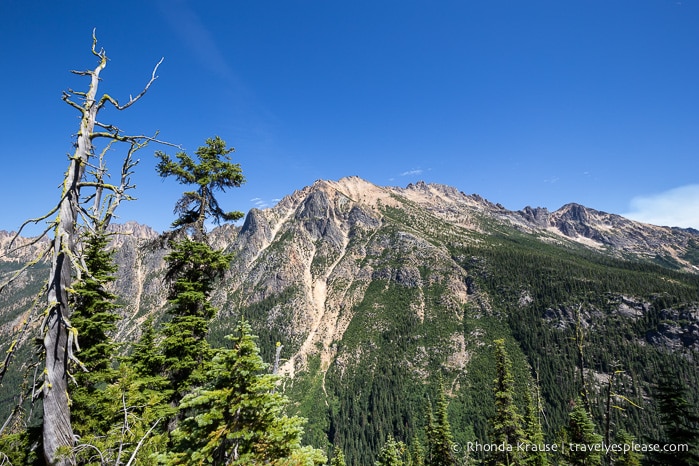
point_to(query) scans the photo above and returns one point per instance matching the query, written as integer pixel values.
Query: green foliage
(533, 431)
(113, 410)
(135, 418)
(94, 319)
(507, 424)
(692, 254)
(22, 447)
(338, 458)
(535, 286)
(214, 172)
(392, 453)
(192, 268)
(146, 357)
(581, 435)
(416, 453)
(269, 331)
(625, 458)
(237, 417)
(440, 440)
(193, 265)
(679, 419)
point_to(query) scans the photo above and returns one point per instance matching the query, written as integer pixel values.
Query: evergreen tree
(507, 424)
(213, 172)
(625, 458)
(580, 436)
(391, 454)
(534, 433)
(193, 265)
(416, 453)
(142, 371)
(679, 420)
(238, 418)
(135, 419)
(146, 357)
(94, 319)
(338, 458)
(193, 268)
(440, 441)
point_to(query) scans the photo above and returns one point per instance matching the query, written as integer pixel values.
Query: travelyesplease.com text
(574, 447)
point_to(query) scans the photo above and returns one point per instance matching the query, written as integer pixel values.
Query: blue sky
(535, 103)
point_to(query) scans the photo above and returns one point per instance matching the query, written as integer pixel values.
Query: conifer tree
(440, 441)
(94, 319)
(117, 409)
(238, 418)
(533, 432)
(145, 367)
(214, 172)
(193, 265)
(581, 434)
(625, 458)
(679, 420)
(146, 357)
(338, 458)
(134, 415)
(416, 453)
(392, 453)
(193, 268)
(507, 424)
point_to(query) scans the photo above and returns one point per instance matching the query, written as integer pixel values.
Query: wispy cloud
(259, 202)
(263, 203)
(678, 207)
(414, 172)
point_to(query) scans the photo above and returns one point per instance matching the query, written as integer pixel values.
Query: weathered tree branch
(42, 255)
(140, 443)
(132, 100)
(35, 221)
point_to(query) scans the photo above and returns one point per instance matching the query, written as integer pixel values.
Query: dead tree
(70, 214)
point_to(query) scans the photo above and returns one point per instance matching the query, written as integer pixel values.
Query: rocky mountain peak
(134, 229)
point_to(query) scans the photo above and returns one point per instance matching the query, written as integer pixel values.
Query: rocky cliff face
(359, 281)
(325, 244)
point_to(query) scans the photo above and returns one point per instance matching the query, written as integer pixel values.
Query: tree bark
(59, 336)
(58, 432)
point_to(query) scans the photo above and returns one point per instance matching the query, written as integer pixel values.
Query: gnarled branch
(132, 100)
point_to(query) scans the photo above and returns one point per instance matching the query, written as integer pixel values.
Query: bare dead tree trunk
(57, 330)
(59, 336)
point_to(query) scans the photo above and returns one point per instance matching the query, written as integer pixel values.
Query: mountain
(379, 295)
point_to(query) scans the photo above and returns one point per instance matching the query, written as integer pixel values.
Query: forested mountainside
(384, 297)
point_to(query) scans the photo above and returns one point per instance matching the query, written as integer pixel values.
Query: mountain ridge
(377, 293)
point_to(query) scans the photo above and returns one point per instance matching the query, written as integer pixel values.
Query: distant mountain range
(380, 294)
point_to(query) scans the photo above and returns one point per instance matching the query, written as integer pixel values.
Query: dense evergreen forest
(555, 311)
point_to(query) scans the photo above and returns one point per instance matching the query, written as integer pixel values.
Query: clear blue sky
(526, 103)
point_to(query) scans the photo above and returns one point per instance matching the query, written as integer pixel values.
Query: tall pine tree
(338, 458)
(581, 434)
(193, 265)
(536, 455)
(440, 441)
(238, 418)
(679, 420)
(94, 319)
(214, 172)
(507, 426)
